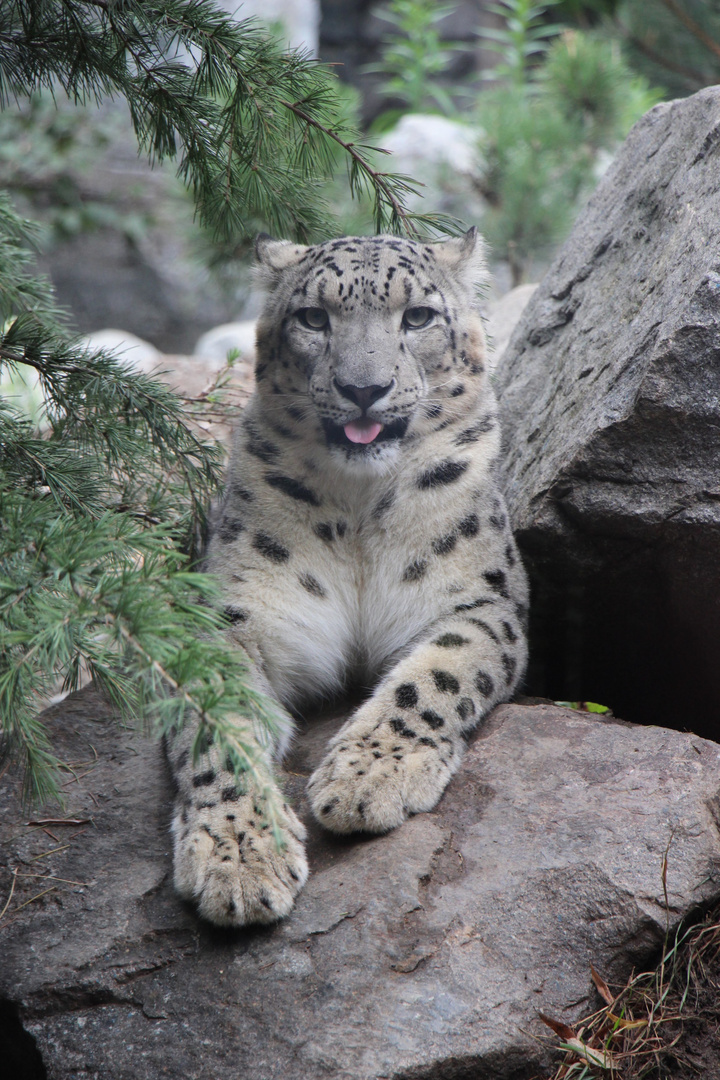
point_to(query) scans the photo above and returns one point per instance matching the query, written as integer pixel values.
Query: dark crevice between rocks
(516, 1064)
(20, 1058)
(633, 633)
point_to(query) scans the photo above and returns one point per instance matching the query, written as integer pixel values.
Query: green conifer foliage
(103, 494)
(564, 98)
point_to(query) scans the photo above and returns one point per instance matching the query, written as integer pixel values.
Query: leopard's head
(365, 341)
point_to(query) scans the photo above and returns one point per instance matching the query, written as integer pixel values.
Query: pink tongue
(362, 431)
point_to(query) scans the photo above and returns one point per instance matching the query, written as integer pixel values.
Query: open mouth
(363, 431)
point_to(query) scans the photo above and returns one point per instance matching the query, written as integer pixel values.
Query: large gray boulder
(425, 954)
(610, 394)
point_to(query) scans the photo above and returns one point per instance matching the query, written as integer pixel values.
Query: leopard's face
(366, 341)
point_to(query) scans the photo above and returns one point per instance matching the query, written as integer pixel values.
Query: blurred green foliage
(546, 138)
(412, 57)
(572, 76)
(522, 40)
(48, 148)
(674, 43)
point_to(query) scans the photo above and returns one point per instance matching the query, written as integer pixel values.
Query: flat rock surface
(426, 953)
(610, 399)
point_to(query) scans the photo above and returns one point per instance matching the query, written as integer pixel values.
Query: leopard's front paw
(378, 772)
(229, 862)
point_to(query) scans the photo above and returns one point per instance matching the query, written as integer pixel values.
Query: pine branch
(237, 118)
(383, 182)
(695, 29)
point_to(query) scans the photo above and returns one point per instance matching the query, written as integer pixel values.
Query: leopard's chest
(344, 613)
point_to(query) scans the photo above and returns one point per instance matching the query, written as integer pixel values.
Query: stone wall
(610, 394)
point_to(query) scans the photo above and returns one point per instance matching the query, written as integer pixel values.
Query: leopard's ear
(464, 259)
(274, 256)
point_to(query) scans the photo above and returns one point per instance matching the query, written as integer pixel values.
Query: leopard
(362, 540)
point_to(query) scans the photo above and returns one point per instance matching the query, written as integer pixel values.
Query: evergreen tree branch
(384, 183)
(237, 117)
(695, 29)
(694, 79)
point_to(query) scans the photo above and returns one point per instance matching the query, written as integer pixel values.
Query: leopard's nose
(363, 396)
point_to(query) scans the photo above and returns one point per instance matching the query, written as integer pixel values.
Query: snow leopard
(361, 540)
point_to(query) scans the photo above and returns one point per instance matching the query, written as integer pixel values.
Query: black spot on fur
(415, 570)
(458, 391)
(433, 411)
(230, 794)
(329, 806)
(510, 634)
(484, 684)
(510, 555)
(497, 581)
(498, 521)
(211, 834)
(446, 682)
(239, 492)
(400, 727)
(294, 488)
(466, 709)
(341, 528)
(451, 641)
(509, 664)
(384, 504)
(485, 627)
(235, 615)
(406, 695)
(446, 472)
(229, 528)
(444, 544)
(473, 433)
(324, 530)
(425, 741)
(469, 525)
(261, 448)
(203, 779)
(312, 585)
(472, 604)
(270, 548)
(432, 719)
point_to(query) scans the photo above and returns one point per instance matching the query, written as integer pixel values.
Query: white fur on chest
(313, 646)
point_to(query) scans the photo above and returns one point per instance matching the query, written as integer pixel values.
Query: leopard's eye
(314, 318)
(417, 317)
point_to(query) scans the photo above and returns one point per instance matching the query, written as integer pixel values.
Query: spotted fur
(388, 564)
